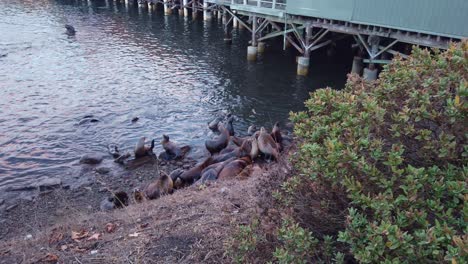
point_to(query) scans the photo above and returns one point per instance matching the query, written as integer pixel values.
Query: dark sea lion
(121, 159)
(114, 151)
(162, 186)
(135, 119)
(229, 125)
(238, 152)
(213, 125)
(116, 200)
(141, 150)
(276, 135)
(251, 130)
(211, 172)
(218, 143)
(267, 145)
(228, 149)
(233, 168)
(192, 175)
(172, 150)
(70, 30)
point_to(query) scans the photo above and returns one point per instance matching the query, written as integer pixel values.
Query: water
(175, 74)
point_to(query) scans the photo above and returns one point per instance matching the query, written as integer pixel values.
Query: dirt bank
(189, 226)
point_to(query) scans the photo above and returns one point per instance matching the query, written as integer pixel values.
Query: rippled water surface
(175, 74)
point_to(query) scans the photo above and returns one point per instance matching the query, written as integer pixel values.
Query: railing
(273, 4)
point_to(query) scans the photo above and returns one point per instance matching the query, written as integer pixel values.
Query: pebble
(94, 252)
(11, 207)
(92, 158)
(223, 190)
(103, 170)
(28, 236)
(103, 189)
(179, 164)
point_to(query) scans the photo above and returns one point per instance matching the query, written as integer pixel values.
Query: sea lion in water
(163, 185)
(267, 145)
(233, 168)
(141, 150)
(114, 151)
(251, 130)
(218, 143)
(192, 175)
(172, 151)
(229, 125)
(70, 30)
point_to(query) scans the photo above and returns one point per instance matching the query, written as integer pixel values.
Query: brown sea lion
(233, 168)
(220, 142)
(238, 140)
(267, 145)
(192, 175)
(254, 148)
(228, 149)
(172, 150)
(141, 150)
(238, 152)
(163, 185)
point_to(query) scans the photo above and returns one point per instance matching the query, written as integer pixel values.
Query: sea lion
(70, 30)
(218, 143)
(114, 151)
(138, 196)
(172, 150)
(238, 152)
(116, 200)
(229, 126)
(238, 140)
(276, 135)
(254, 149)
(233, 168)
(163, 185)
(267, 145)
(211, 172)
(192, 175)
(121, 159)
(141, 150)
(228, 149)
(135, 119)
(251, 130)
(213, 125)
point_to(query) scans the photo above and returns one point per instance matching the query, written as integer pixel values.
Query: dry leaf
(110, 227)
(55, 237)
(79, 235)
(50, 258)
(94, 236)
(136, 234)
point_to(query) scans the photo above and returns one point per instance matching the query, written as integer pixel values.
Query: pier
(380, 29)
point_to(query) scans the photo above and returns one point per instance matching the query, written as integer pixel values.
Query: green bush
(397, 150)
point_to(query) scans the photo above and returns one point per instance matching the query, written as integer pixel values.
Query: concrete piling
(167, 8)
(303, 66)
(251, 53)
(206, 12)
(357, 65)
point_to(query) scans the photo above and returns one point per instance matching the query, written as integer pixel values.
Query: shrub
(396, 148)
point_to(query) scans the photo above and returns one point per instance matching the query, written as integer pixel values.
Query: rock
(103, 170)
(179, 164)
(186, 166)
(94, 252)
(103, 189)
(28, 236)
(48, 183)
(92, 158)
(223, 190)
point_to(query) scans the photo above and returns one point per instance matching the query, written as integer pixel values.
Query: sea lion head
(165, 139)
(262, 130)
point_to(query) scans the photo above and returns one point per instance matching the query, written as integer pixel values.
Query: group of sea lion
(230, 157)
